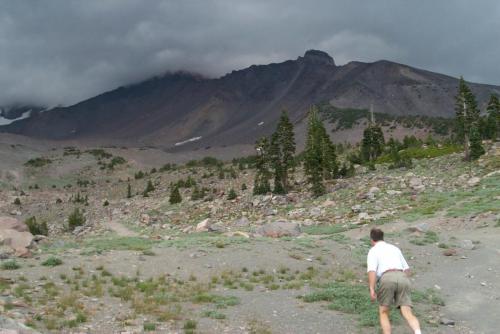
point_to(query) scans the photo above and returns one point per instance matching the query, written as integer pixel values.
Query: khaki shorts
(394, 289)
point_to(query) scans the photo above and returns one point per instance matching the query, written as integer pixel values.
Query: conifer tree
(281, 153)
(493, 118)
(262, 174)
(467, 115)
(372, 144)
(175, 196)
(129, 191)
(476, 149)
(149, 187)
(320, 160)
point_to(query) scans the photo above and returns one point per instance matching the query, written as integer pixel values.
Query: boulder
(19, 242)
(393, 192)
(467, 245)
(217, 227)
(237, 234)
(364, 216)
(6, 252)
(473, 181)
(415, 183)
(12, 224)
(328, 203)
(315, 212)
(203, 226)
(279, 229)
(145, 219)
(242, 222)
(356, 208)
(450, 252)
(422, 228)
(447, 322)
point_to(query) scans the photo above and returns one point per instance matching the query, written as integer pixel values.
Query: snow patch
(6, 121)
(187, 141)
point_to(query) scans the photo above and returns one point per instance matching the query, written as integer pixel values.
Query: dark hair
(376, 234)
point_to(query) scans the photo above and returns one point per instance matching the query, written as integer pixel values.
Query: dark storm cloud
(62, 51)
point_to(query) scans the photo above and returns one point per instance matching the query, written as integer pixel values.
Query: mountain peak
(318, 57)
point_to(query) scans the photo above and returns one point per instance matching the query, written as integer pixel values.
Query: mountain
(184, 110)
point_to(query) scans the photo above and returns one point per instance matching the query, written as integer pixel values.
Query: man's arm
(406, 267)
(372, 280)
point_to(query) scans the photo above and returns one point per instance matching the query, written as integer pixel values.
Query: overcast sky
(63, 51)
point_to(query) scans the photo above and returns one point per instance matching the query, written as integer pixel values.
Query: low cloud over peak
(63, 51)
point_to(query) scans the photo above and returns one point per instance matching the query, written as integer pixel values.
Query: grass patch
(422, 153)
(351, 299)
(326, 229)
(214, 314)
(123, 243)
(430, 237)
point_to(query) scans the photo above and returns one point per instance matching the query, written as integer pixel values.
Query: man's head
(376, 235)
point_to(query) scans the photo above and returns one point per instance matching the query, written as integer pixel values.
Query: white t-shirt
(384, 256)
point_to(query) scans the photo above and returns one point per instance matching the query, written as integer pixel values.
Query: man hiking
(386, 264)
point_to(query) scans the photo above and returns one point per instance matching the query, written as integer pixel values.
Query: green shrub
(10, 265)
(190, 324)
(232, 194)
(37, 228)
(175, 196)
(52, 262)
(149, 326)
(139, 175)
(17, 201)
(76, 218)
(37, 162)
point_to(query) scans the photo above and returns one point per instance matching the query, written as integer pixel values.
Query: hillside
(196, 112)
(252, 264)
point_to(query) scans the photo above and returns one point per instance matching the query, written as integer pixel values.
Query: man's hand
(373, 295)
(372, 279)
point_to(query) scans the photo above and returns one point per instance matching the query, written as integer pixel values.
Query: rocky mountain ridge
(244, 105)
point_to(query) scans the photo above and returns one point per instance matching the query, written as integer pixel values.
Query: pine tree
(476, 149)
(372, 144)
(262, 174)
(175, 196)
(129, 191)
(319, 156)
(467, 115)
(329, 157)
(196, 194)
(149, 187)
(281, 153)
(492, 128)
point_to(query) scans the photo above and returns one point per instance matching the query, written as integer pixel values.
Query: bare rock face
(279, 229)
(13, 224)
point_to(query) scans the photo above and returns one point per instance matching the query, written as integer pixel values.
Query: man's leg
(410, 318)
(385, 323)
